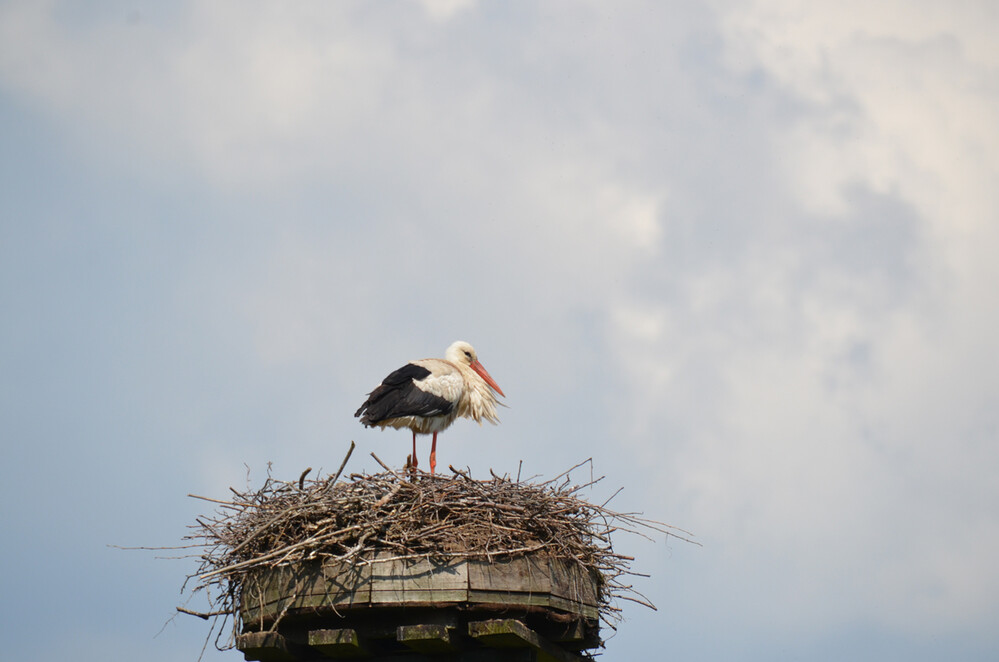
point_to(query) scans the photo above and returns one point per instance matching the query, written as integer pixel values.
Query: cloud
(741, 254)
(810, 393)
(443, 10)
(895, 97)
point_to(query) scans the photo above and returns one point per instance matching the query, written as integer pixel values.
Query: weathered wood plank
(429, 638)
(338, 643)
(573, 607)
(523, 581)
(532, 581)
(525, 574)
(267, 647)
(511, 633)
(510, 598)
(571, 582)
(420, 580)
(268, 592)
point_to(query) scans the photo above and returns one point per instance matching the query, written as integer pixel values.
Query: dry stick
(568, 471)
(583, 486)
(158, 549)
(388, 496)
(507, 507)
(202, 615)
(519, 550)
(385, 466)
(641, 602)
(301, 479)
(342, 465)
(224, 503)
(459, 472)
(604, 504)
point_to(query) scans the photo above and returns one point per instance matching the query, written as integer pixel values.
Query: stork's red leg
(433, 454)
(414, 450)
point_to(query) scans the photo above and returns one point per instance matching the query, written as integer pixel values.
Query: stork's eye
(468, 354)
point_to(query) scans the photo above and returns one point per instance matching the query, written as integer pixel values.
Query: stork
(427, 396)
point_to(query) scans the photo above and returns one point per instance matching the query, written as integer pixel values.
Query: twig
(224, 503)
(384, 466)
(460, 555)
(618, 491)
(569, 471)
(202, 615)
(342, 465)
(459, 472)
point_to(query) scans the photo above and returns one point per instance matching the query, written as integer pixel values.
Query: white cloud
(898, 97)
(224, 92)
(762, 253)
(818, 414)
(443, 10)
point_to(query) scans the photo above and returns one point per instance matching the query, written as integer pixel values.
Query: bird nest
(409, 516)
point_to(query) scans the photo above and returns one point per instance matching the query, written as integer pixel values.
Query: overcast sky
(742, 254)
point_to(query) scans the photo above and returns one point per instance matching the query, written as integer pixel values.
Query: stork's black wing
(398, 395)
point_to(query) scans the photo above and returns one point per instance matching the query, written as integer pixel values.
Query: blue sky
(740, 254)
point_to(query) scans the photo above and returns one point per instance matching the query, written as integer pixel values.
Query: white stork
(427, 395)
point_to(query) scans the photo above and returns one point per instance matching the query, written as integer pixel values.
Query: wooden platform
(526, 581)
(528, 608)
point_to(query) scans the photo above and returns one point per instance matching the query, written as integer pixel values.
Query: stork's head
(463, 353)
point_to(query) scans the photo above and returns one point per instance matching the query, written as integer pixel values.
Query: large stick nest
(410, 516)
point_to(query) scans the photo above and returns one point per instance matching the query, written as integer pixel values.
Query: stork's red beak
(477, 367)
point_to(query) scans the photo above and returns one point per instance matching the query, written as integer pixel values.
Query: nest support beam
(495, 640)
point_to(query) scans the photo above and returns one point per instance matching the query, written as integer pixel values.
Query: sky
(740, 254)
